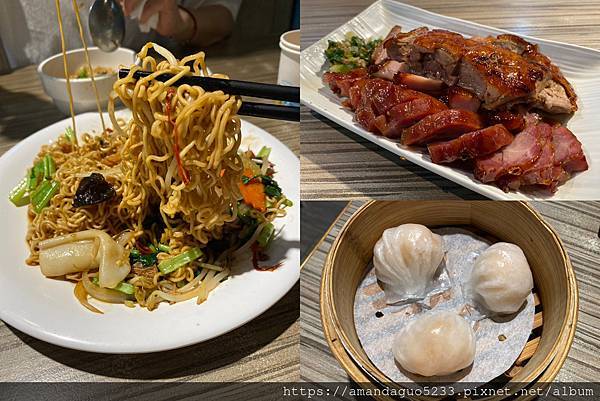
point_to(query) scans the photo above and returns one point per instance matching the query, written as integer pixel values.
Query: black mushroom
(93, 190)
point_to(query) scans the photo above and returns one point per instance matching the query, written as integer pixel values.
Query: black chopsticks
(242, 88)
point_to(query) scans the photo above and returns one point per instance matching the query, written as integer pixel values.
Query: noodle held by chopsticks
(172, 204)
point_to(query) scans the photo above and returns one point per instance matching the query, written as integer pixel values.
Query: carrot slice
(254, 192)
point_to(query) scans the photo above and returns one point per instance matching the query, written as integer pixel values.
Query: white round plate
(47, 309)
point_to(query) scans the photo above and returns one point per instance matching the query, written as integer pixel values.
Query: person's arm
(213, 24)
(198, 27)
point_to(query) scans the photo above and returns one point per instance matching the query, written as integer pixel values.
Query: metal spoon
(107, 24)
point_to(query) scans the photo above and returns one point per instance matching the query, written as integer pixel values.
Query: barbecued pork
(567, 151)
(470, 146)
(540, 155)
(515, 158)
(500, 71)
(541, 172)
(433, 86)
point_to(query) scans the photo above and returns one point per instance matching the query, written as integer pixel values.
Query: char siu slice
(513, 159)
(472, 145)
(443, 125)
(541, 172)
(567, 151)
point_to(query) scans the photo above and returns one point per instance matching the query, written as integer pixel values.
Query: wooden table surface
(337, 163)
(266, 349)
(577, 224)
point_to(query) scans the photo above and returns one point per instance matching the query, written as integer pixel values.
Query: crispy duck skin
(514, 122)
(459, 98)
(500, 71)
(405, 114)
(340, 83)
(471, 145)
(440, 126)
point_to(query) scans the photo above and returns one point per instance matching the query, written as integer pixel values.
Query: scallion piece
(35, 175)
(263, 152)
(123, 287)
(164, 248)
(288, 202)
(31, 180)
(18, 196)
(266, 235)
(38, 193)
(70, 135)
(49, 167)
(42, 196)
(243, 210)
(170, 265)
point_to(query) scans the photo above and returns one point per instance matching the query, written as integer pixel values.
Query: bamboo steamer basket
(555, 288)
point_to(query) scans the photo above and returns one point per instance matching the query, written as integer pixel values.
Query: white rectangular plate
(580, 65)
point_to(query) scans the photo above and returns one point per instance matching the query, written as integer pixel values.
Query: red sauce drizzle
(182, 171)
(257, 256)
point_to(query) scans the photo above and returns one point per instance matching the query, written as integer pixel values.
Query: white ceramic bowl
(52, 74)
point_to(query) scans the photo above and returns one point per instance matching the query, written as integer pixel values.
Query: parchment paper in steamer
(377, 323)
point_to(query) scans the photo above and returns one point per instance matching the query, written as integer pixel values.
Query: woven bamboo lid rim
(559, 348)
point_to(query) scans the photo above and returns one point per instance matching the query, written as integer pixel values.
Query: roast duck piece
(474, 99)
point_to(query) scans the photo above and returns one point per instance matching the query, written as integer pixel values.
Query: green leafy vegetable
(246, 180)
(146, 260)
(170, 265)
(271, 187)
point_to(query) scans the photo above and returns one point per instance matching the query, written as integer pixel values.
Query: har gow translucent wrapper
(499, 341)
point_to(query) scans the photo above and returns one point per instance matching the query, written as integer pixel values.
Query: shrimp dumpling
(435, 344)
(501, 279)
(406, 259)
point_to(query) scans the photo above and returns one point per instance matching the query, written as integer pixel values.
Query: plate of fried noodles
(175, 223)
